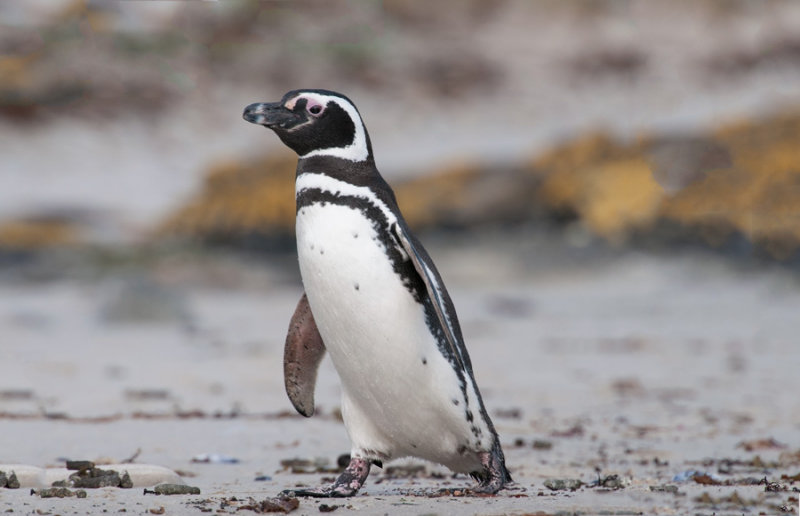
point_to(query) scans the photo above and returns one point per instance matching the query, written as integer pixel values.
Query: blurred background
(611, 189)
(612, 122)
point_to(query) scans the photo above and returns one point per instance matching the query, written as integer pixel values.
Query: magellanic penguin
(375, 301)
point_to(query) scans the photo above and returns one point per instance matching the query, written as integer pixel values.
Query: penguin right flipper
(302, 355)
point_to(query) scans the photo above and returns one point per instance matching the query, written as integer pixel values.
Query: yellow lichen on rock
(239, 199)
(34, 234)
(610, 186)
(759, 197)
(565, 167)
(620, 196)
(430, 199)
(741, 180)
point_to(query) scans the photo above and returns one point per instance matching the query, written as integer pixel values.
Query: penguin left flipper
(435, 289)
(302, 354)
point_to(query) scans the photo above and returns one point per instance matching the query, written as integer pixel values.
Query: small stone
(12, 482)
(126, 482)
(563, 484)
(106, 479)
(328, 508)
(79, 465)
(665, 488)
(540, 444)
(175, 489)
(3, 479)
(59, 492)
(611, 482)
(280, 504)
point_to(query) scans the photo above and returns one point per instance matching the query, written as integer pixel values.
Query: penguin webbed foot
(346, 485)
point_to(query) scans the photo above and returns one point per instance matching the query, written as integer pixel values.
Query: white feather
(393, 404)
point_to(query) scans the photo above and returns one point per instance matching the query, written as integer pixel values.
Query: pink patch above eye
(314, 107)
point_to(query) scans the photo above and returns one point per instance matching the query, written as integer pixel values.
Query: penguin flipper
(302, 355)
(436, 293)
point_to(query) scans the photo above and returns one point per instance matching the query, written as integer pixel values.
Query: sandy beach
(637, 348)
(638, 369)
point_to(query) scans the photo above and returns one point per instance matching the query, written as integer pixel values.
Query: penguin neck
(356, 172)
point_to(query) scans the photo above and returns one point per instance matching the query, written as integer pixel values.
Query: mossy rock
(239, 201)
(615, 189)
(245, 201)
(27, 235)
(742, 180)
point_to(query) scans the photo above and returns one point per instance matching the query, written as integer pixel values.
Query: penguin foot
(348, 483)
(494, 476)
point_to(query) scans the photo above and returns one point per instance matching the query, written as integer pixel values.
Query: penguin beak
(270, 114)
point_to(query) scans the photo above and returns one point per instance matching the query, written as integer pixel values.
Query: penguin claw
(494, 476)
(348, 483)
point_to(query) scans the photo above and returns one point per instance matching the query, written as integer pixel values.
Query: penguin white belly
(400, 395)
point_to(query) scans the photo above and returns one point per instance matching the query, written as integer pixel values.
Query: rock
(12, 482)
(563, 484)
(3, 479)
(140, 475)
(97, 479)
(79, 465)
(174, 489)
(145, 475)
(27, 476)
(59, 492)
(610, 482)
(126, 482)
(280, 504)
(665, 488)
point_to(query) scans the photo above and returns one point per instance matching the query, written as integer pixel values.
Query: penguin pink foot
(348, 483)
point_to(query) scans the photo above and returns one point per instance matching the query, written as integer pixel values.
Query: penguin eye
(314, 108)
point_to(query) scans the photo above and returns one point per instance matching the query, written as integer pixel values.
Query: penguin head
(315, 123)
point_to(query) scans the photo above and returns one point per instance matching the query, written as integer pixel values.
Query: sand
(630, 364)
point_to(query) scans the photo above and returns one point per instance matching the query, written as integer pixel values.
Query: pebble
(666, 488)
(562, 484)
(59, 492)
(138, 475)
(611, 482)
(12, 482)
(80, 465)
(98, 478)
(174, 489)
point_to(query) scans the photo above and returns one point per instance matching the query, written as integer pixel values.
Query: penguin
(374, 300)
